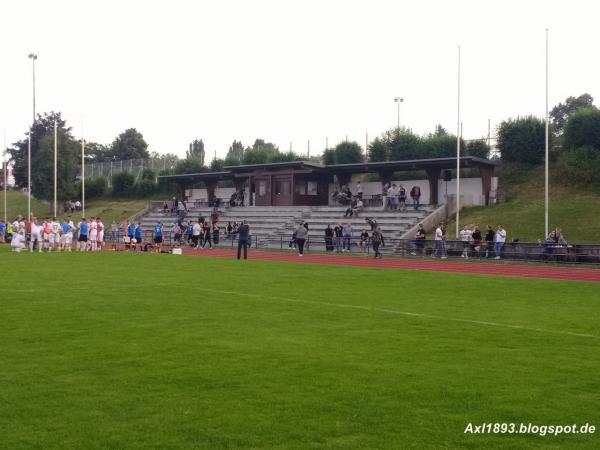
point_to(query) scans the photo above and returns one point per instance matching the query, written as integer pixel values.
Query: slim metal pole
(55, 163)
(398, 114)
(546, 201)
(29, 175)
(5, 161)
(458, 130)
(82, 171)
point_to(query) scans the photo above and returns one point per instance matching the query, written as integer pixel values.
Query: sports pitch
(147, 351)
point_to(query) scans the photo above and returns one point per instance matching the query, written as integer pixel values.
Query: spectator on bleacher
(363, 243)
(350, 209)
(305, 223)
(384, 196)
(229, 229)
(393, 197)
(329, 238)
(301, 235)
(401, 198)
(415, 194)
(359, 190)
(466, 237)
(77, 205)
(377, 240)
(165, 208)
(347, 235)
(500, 240)
(243, 239)
(357, 208)
(114, 231)
(338, 235)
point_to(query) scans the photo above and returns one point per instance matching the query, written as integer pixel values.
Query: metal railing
(513, 251)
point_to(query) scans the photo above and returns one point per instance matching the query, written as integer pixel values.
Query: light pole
(398, 100)
(33, 57)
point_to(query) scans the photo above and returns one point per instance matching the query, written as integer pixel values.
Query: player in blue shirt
(158, 236)
(83, 235)
(131, 230)
(138, 233)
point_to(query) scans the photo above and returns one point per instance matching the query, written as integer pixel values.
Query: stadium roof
(230, 172)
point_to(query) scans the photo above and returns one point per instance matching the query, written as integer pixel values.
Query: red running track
(472, 267)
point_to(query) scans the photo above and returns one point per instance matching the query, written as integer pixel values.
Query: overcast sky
(288, 71)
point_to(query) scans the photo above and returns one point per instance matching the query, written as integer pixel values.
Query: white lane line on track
(401, 313)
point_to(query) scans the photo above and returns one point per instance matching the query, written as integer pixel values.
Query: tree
(217, 165)
(122, 184)
(522, 140)
(378, 150)
(42, 158)
(403, 144)
(97, 153)
(196, 151)
(478, 148)
(561, 112)
(439, 146)
(582, 129)
(344, 153)
(130, 145)
(440, 131)
(260, 153)
(328, 157)
(236, 151)
(189, 166)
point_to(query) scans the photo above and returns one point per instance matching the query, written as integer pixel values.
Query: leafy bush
(95, 187)
(148, 174)
(522, 140)
(144, 188)
(580, 166)
(123, 184)
(582, 129)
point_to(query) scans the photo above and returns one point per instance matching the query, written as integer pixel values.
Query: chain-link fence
(133, 166)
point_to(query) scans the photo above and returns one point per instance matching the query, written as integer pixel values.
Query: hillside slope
(522, 214)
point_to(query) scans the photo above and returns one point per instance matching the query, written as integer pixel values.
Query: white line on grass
(401, 313)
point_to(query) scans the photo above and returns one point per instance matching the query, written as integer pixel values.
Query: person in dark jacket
(329, 238)
(377, 240)
(243, 233)
(489, 240)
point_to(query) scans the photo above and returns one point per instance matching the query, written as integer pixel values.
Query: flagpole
(5, 160)
(82, 171)
(29, 176)
(458, 129)
(55, 162)
(546, 149)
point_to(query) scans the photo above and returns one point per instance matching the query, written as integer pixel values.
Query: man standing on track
(500, 240)
(301, 233)
(243, 239)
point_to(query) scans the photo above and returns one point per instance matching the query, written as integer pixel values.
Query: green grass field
(147, 351)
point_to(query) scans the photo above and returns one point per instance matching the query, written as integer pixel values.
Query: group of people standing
(52, 234)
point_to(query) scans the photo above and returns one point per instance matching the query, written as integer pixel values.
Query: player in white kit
(93, 234)
(100, 233)
(36, 236)
(54, 236)
(18, 241)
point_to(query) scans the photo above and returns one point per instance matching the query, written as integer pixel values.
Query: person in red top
(415, 194)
